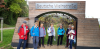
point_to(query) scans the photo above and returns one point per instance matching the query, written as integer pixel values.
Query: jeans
(20, 42)
(74, 40)
(60, 36)
(40, 41)
(71, 42)
(50, 40)
(35, 41)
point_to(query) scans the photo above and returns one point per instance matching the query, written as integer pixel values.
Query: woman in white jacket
(72, 34)
(51, 34)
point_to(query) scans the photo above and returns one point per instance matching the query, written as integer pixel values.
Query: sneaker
(47, 44)
(43, 46)
(60, 44)
(66, 46)
(38, 46)
(51, 45)
(57, 45)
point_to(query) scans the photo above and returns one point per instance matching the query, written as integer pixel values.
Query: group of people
(39, 33)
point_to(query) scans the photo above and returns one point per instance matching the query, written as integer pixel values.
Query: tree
(14, 5)
(17, 8)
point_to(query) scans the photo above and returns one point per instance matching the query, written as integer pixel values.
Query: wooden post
(1, 29)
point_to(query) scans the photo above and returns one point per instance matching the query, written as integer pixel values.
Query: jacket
(68, 29)
(42, 32)
(34, 31)
(60, 31)
(73, 34)
(49, 29)
(21, 32)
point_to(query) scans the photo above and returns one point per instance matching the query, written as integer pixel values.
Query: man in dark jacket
(23, 33)
(68, 29)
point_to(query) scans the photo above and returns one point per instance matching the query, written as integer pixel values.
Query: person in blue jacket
(35, 35)
(60, 33)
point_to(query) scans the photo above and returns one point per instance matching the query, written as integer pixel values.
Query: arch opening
(65, 16)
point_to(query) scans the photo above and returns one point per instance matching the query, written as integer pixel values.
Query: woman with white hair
(72, 34)
(51, 34)
(60, 33)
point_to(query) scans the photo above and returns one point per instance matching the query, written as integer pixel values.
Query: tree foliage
(47, 19)
(17, 8)
(14, 7)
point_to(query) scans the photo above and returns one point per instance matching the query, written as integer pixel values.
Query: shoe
(66, 46)
(51, 45)
(47, 44)
(38, 46)
(60, 44)
(57, 45)
(69, 46)
(43, 46)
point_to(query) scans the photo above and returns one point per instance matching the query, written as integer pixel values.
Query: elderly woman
(60, 33)
(51, 34)
(35, 35)
(72, 34)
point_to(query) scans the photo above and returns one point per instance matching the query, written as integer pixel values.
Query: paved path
(8, 28)
(52, 47)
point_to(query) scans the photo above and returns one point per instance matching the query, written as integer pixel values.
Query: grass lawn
(6, 26)
(7, 38)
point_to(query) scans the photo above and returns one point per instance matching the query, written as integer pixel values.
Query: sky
(92, 9)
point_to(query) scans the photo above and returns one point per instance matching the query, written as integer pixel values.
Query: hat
(24, 22)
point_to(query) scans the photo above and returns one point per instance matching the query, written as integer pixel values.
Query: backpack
(34, 28)
(61, 28)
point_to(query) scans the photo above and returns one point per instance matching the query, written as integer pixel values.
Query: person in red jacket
(23, 33)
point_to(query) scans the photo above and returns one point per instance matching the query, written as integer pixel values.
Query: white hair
(72, 26)
(60, 24)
